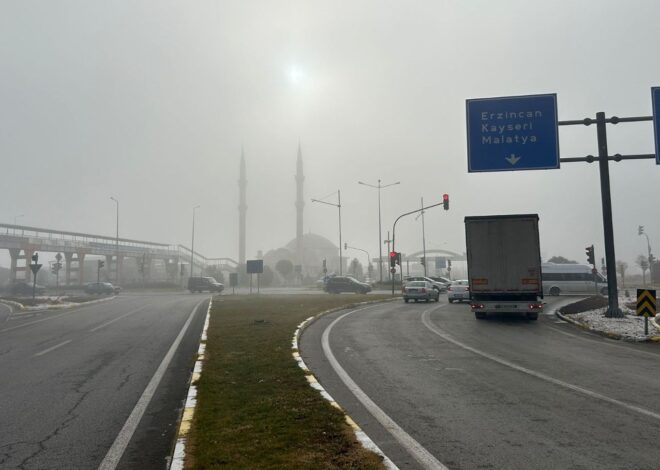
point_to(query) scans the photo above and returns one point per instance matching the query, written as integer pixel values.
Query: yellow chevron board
(646, 302)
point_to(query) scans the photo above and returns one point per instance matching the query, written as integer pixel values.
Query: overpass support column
(14, 264)
(81, 268)
(119, 267)
(68, 257)
(109, 268)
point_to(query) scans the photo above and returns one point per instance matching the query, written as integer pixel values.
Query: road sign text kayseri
(512, 133)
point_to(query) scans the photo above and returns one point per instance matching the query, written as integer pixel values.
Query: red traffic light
(445, 197)
(445, 201)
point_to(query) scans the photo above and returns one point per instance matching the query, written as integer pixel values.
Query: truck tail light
(423, 291)
(449, 288)
(477, 306)
(535, 306)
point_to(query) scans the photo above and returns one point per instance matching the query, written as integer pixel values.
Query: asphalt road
(435, 388)
(71, 379)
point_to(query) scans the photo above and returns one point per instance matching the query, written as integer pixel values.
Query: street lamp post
(421, 214)
(192, 244)
(116, 243)
(338, 206)
(346, 247)
(380, 237)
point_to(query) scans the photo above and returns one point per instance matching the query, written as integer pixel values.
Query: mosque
(306, 251)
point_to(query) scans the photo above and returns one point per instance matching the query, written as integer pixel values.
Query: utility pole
(192, 244)
(380, 238)
(338, 206)
(116, 244)
(421, 214)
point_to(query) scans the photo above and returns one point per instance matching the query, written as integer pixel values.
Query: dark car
(24, 288)
(96, 288)
(337, 284)
(201, 284)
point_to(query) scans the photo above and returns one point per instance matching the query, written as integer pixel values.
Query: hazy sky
(151, 102)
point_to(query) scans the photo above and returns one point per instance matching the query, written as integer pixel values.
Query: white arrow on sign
(512, 159)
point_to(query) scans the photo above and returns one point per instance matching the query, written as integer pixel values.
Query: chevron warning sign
(646, 302)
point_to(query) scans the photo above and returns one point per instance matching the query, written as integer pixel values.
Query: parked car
(201, 284)
(442, 280)
(439, 285)
(420, 290)
(22, 288)
(97, 288)
(458, 291)
(337, 284)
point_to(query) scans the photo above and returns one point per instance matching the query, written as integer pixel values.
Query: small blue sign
(512, 133)
(655, 98)
(440, 263)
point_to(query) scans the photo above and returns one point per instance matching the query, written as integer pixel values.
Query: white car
(458, 291)
(420, 290)
(438, 285)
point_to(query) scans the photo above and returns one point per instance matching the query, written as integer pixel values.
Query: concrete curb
(179, 456)
(24, 308)
(361, 436)
(609, 334)
(12, 305)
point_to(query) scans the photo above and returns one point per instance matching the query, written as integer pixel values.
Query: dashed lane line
(110, 322)
(53, 348)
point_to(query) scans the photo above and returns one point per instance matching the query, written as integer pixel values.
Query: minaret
(242, 211)
(300, 178)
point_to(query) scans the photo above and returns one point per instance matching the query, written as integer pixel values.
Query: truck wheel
(533, 316)
(479, 315)
(405, 300)
(451, 301)
(555, 291)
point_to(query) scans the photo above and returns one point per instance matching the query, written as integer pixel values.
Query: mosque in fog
(306, 250)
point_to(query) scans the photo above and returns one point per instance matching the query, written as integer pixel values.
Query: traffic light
(398, 258)
(35, 258)
(651, 260)
(590, 255)
(640, 230)
(53, 268)
(422, 261)
(445, 201)
(101, 264)
(393, 258)
(449, 263)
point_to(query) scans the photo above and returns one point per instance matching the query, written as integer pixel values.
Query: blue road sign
(440, 263)
(655, 97)
(512, 133)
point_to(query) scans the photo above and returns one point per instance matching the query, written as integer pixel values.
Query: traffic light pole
(603, 159)
(394, 229)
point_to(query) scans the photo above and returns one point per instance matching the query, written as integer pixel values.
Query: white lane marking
(45, 351)
(110, 322)
(116, 451)
(414, 448)
(53, 317)
(427, 322)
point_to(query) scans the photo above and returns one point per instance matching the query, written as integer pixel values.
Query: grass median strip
(255, 408)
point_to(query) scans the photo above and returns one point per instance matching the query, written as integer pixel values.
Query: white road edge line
(414, 448)
(110, 322)
(426, 320)
(46, 351)
(116, 451)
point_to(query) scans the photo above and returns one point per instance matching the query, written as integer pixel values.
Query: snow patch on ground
(630, 327)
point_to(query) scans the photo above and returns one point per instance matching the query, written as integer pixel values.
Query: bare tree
(621, 267)
(643, 263)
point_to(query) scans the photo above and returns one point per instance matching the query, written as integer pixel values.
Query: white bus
(571, 278)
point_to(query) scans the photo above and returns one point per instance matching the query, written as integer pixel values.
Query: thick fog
(151, 102)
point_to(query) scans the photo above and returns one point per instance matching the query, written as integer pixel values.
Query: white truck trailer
(504, 264)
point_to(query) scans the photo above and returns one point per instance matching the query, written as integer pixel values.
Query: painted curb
(609, 334)
(12, 305)
(179, 456)
(361, 436)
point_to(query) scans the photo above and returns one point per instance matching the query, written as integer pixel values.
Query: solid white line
(52, 348)
(110, 322)
(118, 447)
(427, 322)
(414, 448)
